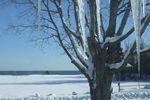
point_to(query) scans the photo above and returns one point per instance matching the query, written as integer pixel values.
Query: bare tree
(93, 45)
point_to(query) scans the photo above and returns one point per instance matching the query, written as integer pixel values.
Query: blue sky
(18, 53)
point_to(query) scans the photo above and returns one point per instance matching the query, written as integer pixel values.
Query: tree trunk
(103, 89)
(100, 85)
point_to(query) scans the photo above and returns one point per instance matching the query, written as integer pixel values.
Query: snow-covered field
(63, 87)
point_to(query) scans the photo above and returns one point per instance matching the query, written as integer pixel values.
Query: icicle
(144, 7)
(82, 22)
(135, 6)
(98, 18)
(38, 13)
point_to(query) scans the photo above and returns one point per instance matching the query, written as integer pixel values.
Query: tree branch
(73, 41)
(124, 21)
(145, 50)
(145, 21)
(113, 17)
(118, 66)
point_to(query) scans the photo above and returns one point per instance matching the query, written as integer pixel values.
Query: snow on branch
(147, 49)
(99, 19)
(123, 62)
(77, 50)
(112, 39)
(81, 13)
(120, 64)
(84, 62)
(79, 65)
(109, 40)
(115, 39)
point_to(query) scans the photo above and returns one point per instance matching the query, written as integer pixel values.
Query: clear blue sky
(18, 53)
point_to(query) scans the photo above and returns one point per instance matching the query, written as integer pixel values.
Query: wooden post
(119, 87)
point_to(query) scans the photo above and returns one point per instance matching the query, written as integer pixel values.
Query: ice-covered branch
(82, 21)
(98, 3)
(78, 52)
(81, 67)
(82, 57)
(120, 65)
(110, 40)
(115, 39)
(145, 50)
(124, 61)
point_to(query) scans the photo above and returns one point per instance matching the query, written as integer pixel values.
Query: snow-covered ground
(63, 87)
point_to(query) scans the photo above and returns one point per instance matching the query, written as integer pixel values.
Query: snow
(98, 15)
(25, 86)
(111, 39)
(82, 22)
(132, 95)
(98, 19)
(63, 87)
(135, 5)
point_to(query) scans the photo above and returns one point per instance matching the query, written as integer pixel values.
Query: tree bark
(100, 85)
(103, 89)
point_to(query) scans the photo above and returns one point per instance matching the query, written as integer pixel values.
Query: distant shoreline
(39, 72)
